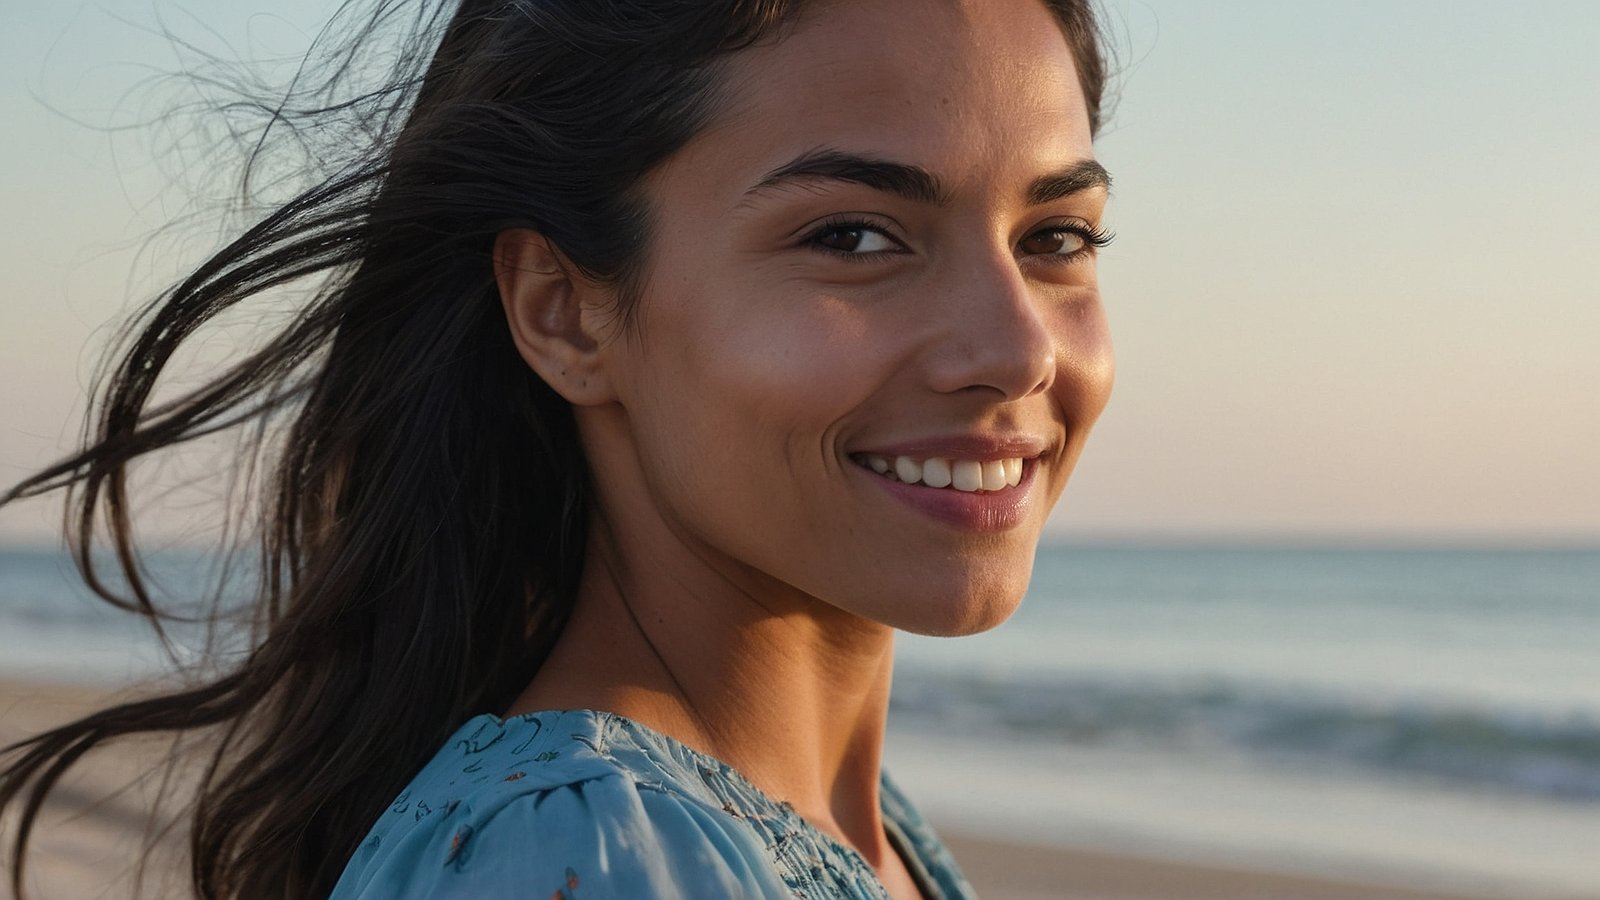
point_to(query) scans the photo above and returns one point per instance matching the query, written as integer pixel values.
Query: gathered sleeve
(603, 837)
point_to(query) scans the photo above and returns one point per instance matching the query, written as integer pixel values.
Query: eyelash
(833, 225)
(1094, 238)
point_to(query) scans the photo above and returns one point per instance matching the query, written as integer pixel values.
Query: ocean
(1429, 717)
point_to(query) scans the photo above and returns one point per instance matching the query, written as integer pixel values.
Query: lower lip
(984, 512)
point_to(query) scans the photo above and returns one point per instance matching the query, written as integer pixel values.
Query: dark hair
(422, 527)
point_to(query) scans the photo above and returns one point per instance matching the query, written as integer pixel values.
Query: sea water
(1430, 717)
(1421, 716)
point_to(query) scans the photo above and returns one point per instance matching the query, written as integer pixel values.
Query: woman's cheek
(1086, 361)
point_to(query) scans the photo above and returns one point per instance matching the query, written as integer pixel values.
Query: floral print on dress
(586, 804)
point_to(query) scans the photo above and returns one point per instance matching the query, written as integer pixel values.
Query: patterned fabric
(584, 805)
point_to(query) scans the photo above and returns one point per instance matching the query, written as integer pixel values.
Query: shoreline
(90, 834)
(1008, 870)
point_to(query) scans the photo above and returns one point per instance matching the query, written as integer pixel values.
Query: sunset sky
(1353, 288)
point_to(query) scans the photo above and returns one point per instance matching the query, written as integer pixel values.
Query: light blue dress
(587, 805)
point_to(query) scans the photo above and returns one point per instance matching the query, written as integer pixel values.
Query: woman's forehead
(951, 87)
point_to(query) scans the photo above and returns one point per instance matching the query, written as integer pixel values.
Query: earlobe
(544, 301)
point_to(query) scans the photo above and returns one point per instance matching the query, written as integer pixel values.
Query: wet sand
(1005, 871)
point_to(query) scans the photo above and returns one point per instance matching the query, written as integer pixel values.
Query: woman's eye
(1057, 241)
(855, 240)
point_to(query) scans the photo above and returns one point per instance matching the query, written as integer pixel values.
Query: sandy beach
(89, 837)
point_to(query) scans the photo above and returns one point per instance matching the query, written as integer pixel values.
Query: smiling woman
(670, 357)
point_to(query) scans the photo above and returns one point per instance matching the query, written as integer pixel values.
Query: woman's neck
(790, 691)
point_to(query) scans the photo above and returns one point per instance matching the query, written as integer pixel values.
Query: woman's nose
(995, 335)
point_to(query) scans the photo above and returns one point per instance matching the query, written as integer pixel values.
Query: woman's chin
(955, 616)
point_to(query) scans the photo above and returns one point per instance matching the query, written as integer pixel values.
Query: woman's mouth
(966, 475)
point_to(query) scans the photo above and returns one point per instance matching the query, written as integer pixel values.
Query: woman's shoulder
(563, 804)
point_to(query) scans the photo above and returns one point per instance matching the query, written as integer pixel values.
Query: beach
(89, 837)
(1154, 722)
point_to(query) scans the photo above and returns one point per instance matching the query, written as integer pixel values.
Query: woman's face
(878, 256)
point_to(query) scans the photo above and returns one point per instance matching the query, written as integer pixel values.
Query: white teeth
(966, 475)
(908, 469)
(994, 475)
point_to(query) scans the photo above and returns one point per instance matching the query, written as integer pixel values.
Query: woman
(671, 356)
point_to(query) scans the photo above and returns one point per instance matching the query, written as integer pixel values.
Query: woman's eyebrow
(916, 183)
(901, 179)
(1080, 176)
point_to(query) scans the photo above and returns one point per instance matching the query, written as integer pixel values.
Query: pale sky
(1352, 288)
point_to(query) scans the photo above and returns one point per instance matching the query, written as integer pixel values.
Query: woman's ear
(545, 304)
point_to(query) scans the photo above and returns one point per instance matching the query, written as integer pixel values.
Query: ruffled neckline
(717, 775)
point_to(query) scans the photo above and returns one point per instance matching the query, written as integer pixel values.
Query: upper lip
(980, 447)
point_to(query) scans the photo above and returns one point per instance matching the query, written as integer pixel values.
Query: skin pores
(794, 333)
